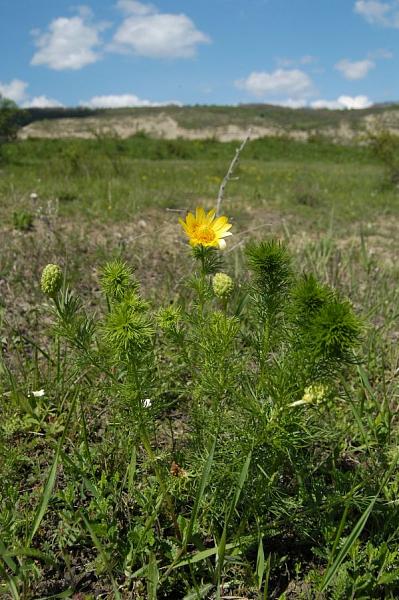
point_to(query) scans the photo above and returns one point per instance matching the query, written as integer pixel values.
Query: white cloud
(376, 12)
(148, 32)
(14, 90)
(294, 83)
(343, 102)
(69, 43)
(42, 102)
(122, 101)
(354, 69)
(291, 103)
(135, 8)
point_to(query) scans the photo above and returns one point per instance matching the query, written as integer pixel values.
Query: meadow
(165, 434)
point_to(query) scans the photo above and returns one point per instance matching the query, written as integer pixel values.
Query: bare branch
(229, 173)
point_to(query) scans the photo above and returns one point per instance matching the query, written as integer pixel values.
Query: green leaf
(202, 555)
(260, 563)
(202, 592)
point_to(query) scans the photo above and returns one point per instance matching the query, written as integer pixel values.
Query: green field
(227, 484)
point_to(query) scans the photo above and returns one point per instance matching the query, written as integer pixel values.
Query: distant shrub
(385, 147)
(10, 121)
(72, 156)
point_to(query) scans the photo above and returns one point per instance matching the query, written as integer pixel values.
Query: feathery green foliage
(116, 279)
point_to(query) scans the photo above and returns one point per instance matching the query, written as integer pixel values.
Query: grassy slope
(327, 201)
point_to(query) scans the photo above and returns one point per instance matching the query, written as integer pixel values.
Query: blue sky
(334, 53)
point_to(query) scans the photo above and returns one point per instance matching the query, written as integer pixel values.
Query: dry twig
(229, 173)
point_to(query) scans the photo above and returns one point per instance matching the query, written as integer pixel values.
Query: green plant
(385, 146)
(22, 220)
(158, 439)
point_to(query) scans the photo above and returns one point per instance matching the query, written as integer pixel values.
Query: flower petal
(211, 215)
(200, 214)
(190, 219)
(222, 244)
(223, 229)
(184, 225)
(219, 222)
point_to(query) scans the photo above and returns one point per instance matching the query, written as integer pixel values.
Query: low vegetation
(189, 422)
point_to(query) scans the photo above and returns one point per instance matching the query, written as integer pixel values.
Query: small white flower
(34, 196)
(38, 393)
(147, 402)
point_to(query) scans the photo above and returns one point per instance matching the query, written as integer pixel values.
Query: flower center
(205, 234)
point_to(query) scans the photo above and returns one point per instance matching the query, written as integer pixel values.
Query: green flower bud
(51, 280)
(222, 285)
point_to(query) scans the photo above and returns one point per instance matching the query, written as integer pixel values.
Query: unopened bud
(222, 285)
(51, 280)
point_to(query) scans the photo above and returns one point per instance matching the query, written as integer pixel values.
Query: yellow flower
(204, 230)
(313, 394)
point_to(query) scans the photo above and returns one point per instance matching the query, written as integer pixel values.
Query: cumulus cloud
(343, 102)
(376, 12)
(69, 43)
(148, 32)
(14, 90)
(291, 103)
(42, 102)
(135, 8)
(122, 101)
(291, 82)
(352, 69)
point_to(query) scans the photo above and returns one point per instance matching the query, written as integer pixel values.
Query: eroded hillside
(221, 123)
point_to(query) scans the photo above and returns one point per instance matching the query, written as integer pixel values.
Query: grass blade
(200, 492)
(260, 563)
(48, 488)
(103, 555)
(152, 577)
(12, 586)
(4, 554)
(355, 533)
(222, 544)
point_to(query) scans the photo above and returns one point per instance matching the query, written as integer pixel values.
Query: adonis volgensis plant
(251, 361)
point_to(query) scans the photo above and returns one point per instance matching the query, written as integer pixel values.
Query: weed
(22, 220)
